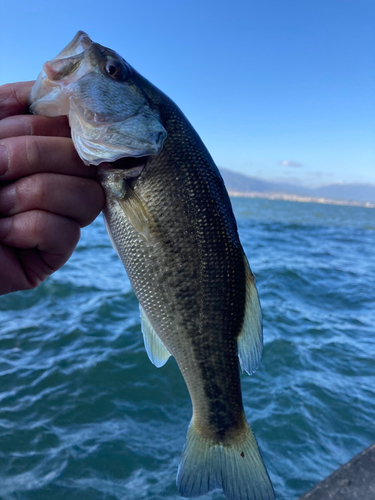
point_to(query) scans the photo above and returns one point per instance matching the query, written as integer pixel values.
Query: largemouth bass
(170, 220)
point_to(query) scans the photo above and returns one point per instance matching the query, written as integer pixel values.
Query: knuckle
(33, 190)
(13, 98)
(38, 226)
(32, 152)
(14, 95)
(42, 223)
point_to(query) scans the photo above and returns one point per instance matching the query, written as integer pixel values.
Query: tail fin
(237, 468)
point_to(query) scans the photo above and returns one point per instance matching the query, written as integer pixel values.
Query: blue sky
(279, 89)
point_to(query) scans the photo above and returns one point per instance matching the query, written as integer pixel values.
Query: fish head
(109, 114)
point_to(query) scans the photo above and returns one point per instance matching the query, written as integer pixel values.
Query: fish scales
(170, 220)
(193, 282)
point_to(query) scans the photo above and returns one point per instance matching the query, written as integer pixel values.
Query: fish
(169, 218)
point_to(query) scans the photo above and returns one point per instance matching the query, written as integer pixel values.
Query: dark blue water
(85, 415)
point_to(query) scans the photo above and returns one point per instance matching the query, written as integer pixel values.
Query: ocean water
(85, 415)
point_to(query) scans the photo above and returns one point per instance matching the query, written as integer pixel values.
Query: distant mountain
(240, 183)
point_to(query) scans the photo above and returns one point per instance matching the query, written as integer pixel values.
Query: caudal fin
(237, 468)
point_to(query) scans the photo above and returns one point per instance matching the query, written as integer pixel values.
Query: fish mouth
(109, 119)
(46, 91)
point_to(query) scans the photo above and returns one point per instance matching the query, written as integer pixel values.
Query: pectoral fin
(250, 340)
(134, 210)
(156, 350)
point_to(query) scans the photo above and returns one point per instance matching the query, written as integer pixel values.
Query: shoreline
(297, 198)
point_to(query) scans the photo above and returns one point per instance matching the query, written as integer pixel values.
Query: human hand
(46, 192)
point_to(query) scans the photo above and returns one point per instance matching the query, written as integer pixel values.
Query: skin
(46, 192)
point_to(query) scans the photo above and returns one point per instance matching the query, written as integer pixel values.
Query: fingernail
(8, 199)
(4, 160)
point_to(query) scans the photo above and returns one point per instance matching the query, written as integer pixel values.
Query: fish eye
(115, 70)
(111, 69)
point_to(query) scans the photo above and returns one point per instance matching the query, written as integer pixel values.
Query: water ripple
(84, 415)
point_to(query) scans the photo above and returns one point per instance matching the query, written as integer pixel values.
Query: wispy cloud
(290, 163)
(319, 174)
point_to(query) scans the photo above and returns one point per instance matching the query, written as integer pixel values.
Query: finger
(12, 275)
(13, 98)
(43, 242)
(26, 155)
(19, 125)
(75, 197)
